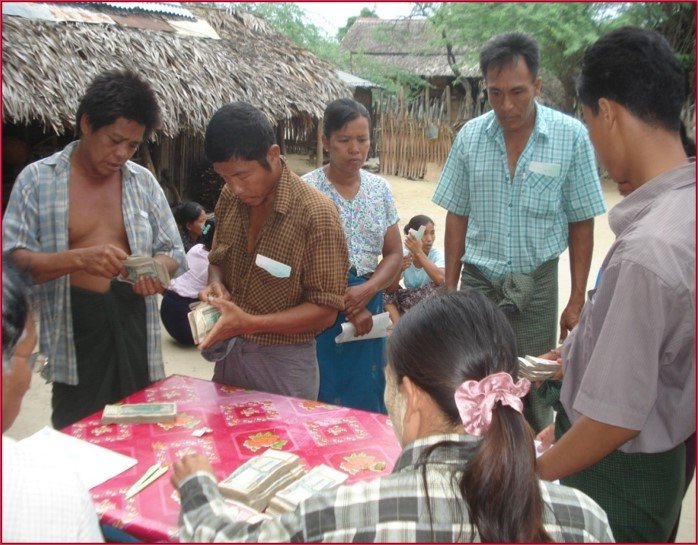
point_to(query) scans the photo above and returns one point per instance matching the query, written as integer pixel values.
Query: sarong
(351, 374)
(173, 313)
(530, 304)
(641, 493)
(111, 347)
(405, 298)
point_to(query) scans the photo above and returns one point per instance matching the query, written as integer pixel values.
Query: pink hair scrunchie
(475, 400)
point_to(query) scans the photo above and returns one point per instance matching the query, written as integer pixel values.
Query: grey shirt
(631, 360)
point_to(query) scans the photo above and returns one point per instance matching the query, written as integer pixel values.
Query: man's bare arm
(454, 247)
(581, 243)
(105, 261)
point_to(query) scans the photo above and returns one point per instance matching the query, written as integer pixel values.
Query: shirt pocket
(143, 231)
(267, 293)
(540, 196)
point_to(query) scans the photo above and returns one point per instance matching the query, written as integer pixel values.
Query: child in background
(422, 270)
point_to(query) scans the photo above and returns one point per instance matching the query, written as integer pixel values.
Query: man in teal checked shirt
(520, 185)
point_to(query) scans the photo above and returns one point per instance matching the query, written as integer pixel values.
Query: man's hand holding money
(147, 285)
(105, 260)
(215, 290)
(233, 322)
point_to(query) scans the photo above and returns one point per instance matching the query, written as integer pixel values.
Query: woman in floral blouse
(351, 374)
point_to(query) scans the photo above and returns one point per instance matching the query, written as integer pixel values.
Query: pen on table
(153, 473)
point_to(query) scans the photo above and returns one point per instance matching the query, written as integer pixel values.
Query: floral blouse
(365, 218)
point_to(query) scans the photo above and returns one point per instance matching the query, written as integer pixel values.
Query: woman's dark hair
(116, 94)
(504, 49)
(207, 233)
(187, 212)
(340, 112)
(241, 131)
(499, 483)
(416, 222)
(16, 304)
(636, 68)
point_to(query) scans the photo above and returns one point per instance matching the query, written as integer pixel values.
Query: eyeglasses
(37, 361)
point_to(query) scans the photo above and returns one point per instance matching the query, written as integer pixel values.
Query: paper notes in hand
(202, 318)
(381, 322)
(145, 266)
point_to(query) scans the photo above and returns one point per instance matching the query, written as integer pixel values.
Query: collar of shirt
(453, 454)
(627, 211)
(493, 129)
(282, 200)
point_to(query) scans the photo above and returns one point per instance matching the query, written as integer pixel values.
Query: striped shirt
(304, 233)
(514, 226)
(365, 218)
(387, 509)
(36, 219)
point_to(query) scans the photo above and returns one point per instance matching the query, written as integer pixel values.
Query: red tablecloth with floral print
(244, 424)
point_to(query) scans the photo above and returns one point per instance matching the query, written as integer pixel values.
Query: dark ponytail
(462, 336)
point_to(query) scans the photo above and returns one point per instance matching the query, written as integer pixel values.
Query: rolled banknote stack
(202, 318)
(137, 266)
(535, 369)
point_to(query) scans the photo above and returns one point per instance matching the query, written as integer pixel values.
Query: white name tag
(273, 267)
(547, 169)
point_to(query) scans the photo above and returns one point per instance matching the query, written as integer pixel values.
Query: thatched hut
(197, 57)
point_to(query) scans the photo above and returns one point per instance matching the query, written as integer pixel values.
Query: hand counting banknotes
(536, 369)
(139, 413)
(202, 318)
(137, 266)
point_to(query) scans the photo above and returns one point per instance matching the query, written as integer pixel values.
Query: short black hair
(16, 305)
(636, 68)
(116, 94)
(504, 49)
(340, 112)
(239, 130)
(416, 222)
(187, 212)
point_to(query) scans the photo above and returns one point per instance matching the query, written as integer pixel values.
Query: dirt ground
(412, 197)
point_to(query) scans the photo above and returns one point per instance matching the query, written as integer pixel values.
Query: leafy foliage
(365, 12)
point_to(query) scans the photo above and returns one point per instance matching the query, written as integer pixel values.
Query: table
(245, 423)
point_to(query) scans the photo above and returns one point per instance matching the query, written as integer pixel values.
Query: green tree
(365, 12)
(563, 30)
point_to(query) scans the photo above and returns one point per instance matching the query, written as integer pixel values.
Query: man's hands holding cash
(188, 465)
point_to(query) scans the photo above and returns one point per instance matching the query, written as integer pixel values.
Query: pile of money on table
(137, 266)
(319, 478)
(139, 413)
(535, 369)
(202, 318)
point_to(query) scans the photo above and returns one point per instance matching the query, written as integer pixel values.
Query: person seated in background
(422, 270)
(467, 469)
(41, 500)
(190, 218)
(184, 290)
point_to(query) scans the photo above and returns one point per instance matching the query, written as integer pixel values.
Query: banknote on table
(137, 266)
(202, 318)
(139, 413)
(319, 478)
(536, 369)
(260, 477)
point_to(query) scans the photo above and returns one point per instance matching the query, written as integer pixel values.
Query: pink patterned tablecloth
(244, 423)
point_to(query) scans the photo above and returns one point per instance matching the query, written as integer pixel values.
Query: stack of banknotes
(137, 266)
(259, 478)
(202, 318)
(536, 369)
(139, 413)
(319, 478)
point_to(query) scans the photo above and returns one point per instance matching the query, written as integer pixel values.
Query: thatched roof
(47, 66)
(411, 44)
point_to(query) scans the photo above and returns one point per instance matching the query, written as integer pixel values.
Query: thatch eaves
(411, 44)
(47, 66)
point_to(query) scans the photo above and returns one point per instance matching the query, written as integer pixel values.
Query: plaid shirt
(36, 219)
(387, 509)
(514, 226)
(304, 232)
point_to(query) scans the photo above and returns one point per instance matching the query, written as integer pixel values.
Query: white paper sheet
(381, 322)
(93, 464)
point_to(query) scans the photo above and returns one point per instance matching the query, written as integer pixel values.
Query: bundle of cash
(319, 478)
(243, 513)
(259, 478)
(144, 266)
(139, 413)
(202, 318)
(535, 369)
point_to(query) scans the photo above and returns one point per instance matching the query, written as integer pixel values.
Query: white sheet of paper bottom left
(93, 464)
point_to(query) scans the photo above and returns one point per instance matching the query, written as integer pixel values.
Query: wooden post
(147, 159)
(318, 150)
(448, 104)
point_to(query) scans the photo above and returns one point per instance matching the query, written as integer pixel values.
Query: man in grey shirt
(628, 392)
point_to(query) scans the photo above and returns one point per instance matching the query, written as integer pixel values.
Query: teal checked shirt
(514, 226)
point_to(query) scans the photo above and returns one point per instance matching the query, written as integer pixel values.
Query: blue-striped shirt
(37, 220)
(514, 226)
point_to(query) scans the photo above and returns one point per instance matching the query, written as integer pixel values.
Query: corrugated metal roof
(165, 8)
(355, 81)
